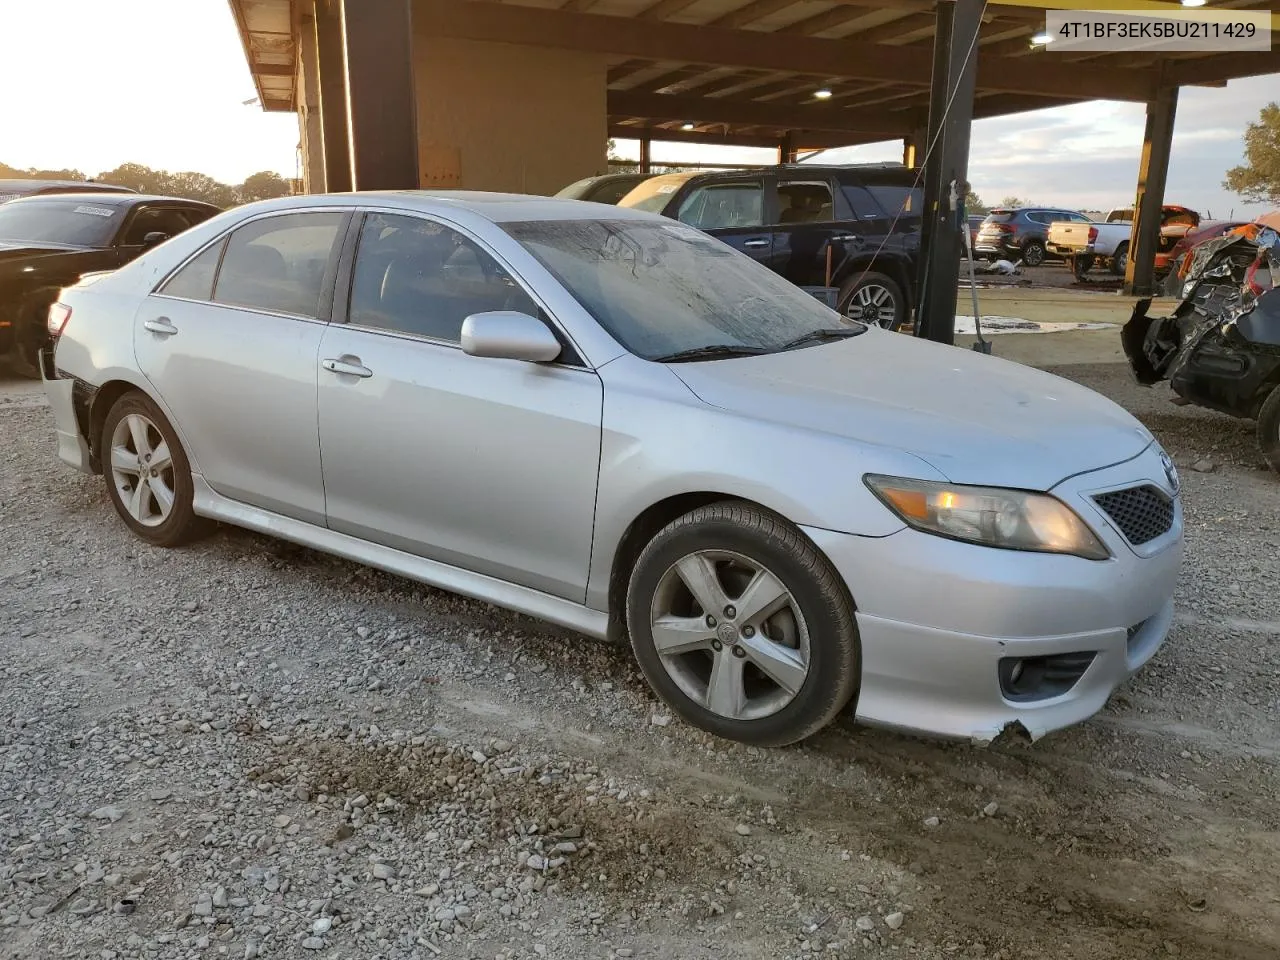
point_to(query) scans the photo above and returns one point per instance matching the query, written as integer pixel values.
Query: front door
(808, 243)
(231, 343)
(734, 211)
(484, 464)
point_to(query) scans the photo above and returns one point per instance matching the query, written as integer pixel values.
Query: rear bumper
(72, 447)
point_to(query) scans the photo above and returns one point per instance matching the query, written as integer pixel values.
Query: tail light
(1093, 234)
(59, 314)
(1258, 278)
(1003, 228)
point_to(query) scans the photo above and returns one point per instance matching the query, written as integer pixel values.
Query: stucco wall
(509, 118)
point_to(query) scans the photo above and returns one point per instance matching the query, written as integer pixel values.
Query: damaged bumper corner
(72, 448)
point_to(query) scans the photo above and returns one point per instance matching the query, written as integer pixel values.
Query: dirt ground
(306, 755)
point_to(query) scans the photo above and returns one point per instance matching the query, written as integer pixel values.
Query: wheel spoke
(764, 596)
(138, 500)
(124, 461)
(160, 458)
(162, 496)
(780, 664)
(725, 693)
(138, 430)
(879, 296)
(676, 635)
(699, 575)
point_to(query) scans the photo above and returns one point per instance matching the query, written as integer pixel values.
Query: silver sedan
(611, 421)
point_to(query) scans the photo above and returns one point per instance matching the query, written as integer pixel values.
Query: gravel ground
(249, 749)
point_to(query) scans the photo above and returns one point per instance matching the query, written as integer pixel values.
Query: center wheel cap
(727, 633)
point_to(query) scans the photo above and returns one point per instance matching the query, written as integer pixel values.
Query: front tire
(1033, 253)
(148, 475)
(1269, 429)
(873, 298)
(742, 627)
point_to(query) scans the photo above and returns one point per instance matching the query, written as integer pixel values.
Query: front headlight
(1010, 519)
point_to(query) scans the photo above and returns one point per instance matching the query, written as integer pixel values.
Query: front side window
(170, 221)
(723, 206)
(195, 280)
(664, 288)
(278, 264)
(420, 277)
(898, 200)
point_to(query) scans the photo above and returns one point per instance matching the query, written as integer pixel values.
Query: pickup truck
(1084, 244)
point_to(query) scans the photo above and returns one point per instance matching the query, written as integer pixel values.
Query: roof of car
(105, 199)
(23, 185)
(495, 207)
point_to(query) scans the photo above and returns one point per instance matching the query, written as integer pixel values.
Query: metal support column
(787, 149)
(950, 119)
(1139, 274)
(332, 69)
(646, 155)
(381, 94)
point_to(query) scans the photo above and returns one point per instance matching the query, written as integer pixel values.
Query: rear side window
(862, 203)
(195, 280)
(999, 216)
(721, 206)
(898, 200)
(278, 264)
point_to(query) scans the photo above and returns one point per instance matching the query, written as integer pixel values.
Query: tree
(138, 177)
(31, 173)
(201, 186)
(973, 203)
(1258, 181)
(264, 185)
(1014, 202)
(618, 164)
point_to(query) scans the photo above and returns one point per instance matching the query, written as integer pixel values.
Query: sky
(163, 83)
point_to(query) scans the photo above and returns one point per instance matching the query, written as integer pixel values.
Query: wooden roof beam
(743, 112)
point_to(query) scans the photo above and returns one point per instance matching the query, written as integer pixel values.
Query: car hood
(977, 419)
(11, 250)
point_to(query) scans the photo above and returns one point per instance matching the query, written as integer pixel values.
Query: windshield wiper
(715, 351)
(818, 336)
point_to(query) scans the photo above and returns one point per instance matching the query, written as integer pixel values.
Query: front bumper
(936, 617)
(72, 447)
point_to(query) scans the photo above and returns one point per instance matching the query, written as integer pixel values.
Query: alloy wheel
(142, 470)
(874, 304)
(730, 634)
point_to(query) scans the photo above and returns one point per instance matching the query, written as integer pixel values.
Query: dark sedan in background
(49, 242)
(853, 227)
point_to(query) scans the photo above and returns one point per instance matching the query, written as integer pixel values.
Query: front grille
(1142, 513)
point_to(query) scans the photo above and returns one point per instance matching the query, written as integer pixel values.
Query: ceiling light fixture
(823, 94)
(1194, 3)
(687, 126)
(1041, 39)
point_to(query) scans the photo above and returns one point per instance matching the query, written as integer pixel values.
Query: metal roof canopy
(745, 73)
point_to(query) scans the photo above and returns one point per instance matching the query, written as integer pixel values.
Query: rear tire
(1033, 253)
(1269, 429)
(148, 475)
(873, 298)
(742, 627)
(1120, 260)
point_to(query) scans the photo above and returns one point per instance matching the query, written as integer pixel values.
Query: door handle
(846, 238)
(347, 366)
(161, 325)
(755, 243)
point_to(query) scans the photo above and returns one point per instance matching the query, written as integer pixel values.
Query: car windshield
(661, 289)
(654, 194)
(78, 223)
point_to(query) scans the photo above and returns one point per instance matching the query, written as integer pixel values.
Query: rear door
(737, 210)
(811, 231)
(231, 342)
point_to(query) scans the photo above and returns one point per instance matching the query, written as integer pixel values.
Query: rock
(302, 792)
(932, 822)
(1062, 905)
(220, 897)
(990, 809)
(536, 862)
(250, 950)
(159, 794)
(313, 943)
(742, 830)
(463, 913)
(430, 890)
(624, 952)
(384, 871)
(108, 813)
(322, 926)
(865, 924)
(660, 719)
(894, 920)
(202, 909)
(1204, 466)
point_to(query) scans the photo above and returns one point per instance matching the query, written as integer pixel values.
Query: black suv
(853, 227)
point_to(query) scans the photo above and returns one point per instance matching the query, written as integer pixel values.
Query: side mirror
(509, 335)
(153, 239)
